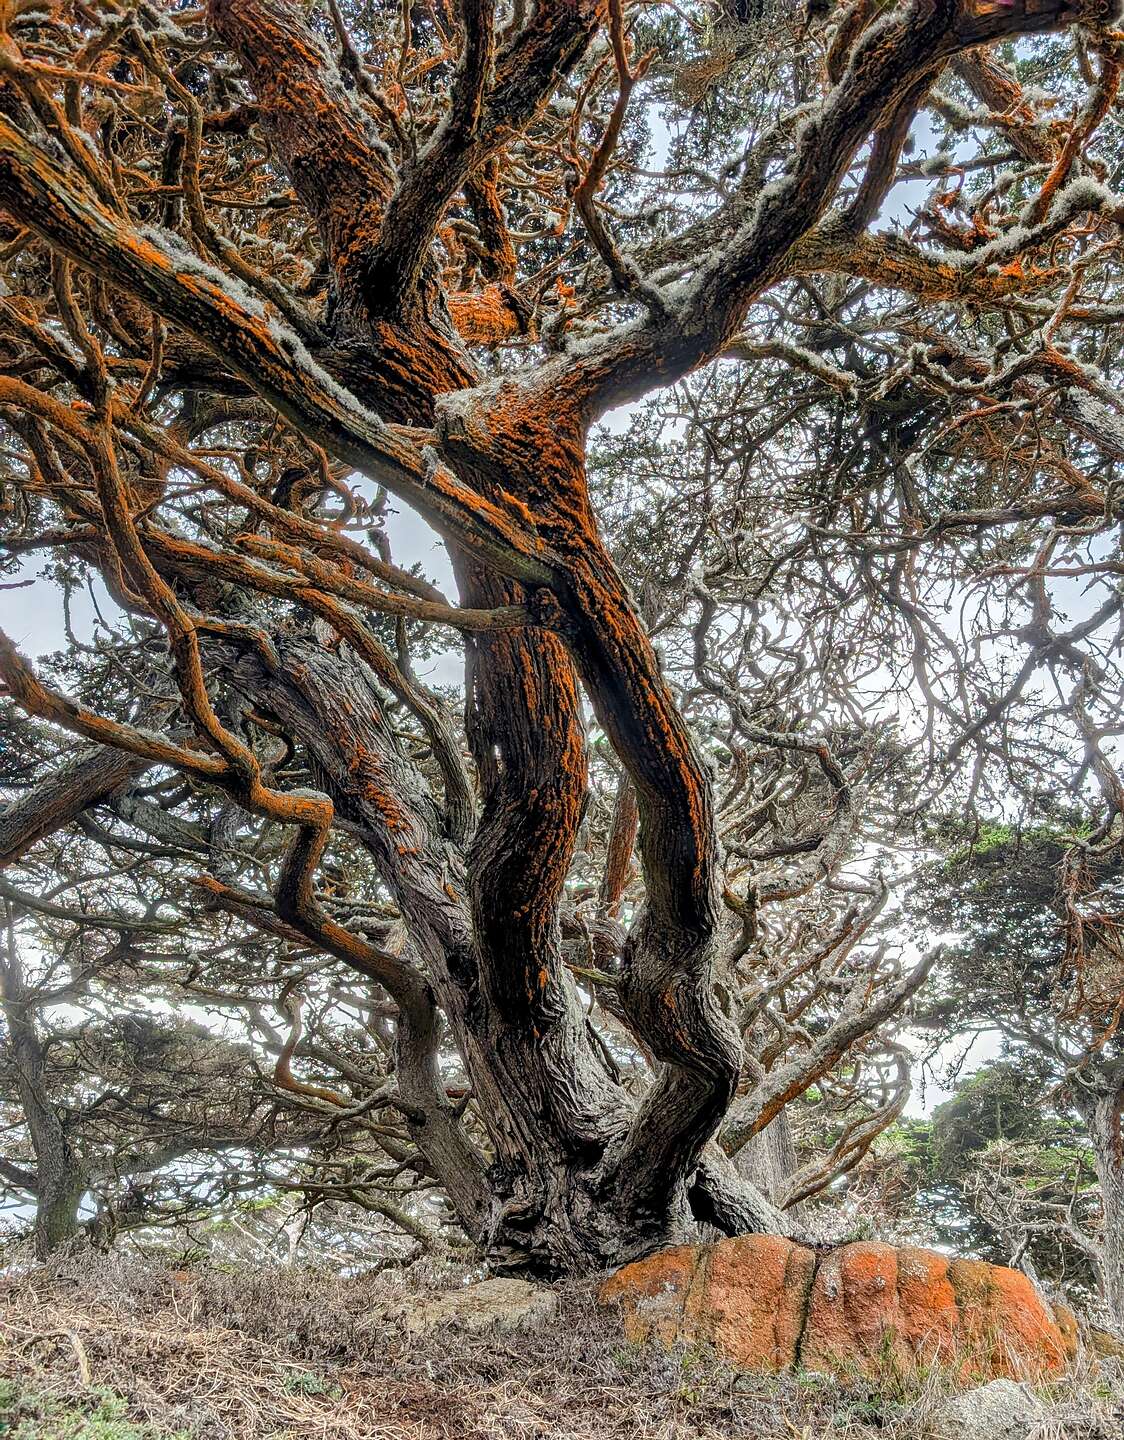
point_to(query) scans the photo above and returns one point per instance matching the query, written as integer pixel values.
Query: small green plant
(27, 1415)
(304, 1382)
(698, 1372)
(628, 1357)
(862, 1229)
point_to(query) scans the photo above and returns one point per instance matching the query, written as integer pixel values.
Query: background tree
(1049, 978)
(121, 1115)
(997, 1172)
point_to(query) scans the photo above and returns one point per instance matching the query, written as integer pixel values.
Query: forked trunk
(60, 1179)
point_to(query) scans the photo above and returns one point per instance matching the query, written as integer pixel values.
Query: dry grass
(277, 1354)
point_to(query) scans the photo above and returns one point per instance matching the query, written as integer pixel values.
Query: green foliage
(999, 1102)
(304, 1382)
(995, 890)
(27, 1415)
(991, 841)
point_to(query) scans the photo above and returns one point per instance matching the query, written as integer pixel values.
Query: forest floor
(116, 1349)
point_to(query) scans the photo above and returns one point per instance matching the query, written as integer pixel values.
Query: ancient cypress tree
(259, 250)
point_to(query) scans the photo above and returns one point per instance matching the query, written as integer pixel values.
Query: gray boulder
(495, 1304)
(1001, 1410)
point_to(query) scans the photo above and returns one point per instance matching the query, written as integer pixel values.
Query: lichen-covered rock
(498, 1303)
(1005, 1328)
(653, 1293)
(766, 1303)
(928, 1302)
(747, 1296)
(750, 1300)
(855, 1313)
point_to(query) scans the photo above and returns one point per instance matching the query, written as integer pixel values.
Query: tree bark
(1104, 1115)
(768, 1158)
(486, 931)
(60, 1178)
(91, 776)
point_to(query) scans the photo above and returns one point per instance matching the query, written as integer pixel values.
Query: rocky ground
(111, 1349)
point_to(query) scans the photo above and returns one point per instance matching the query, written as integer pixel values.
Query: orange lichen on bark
(489, 316)
(339, 175)
(892, 261)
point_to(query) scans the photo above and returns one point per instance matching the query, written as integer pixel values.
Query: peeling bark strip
(554, 1163)
(767, 1304)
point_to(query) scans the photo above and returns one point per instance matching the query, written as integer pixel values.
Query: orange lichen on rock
(653, 1292)
(854, 1314)
(768, 1304)
(1003, 1322)
(749, 1300)
(928, 1303)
